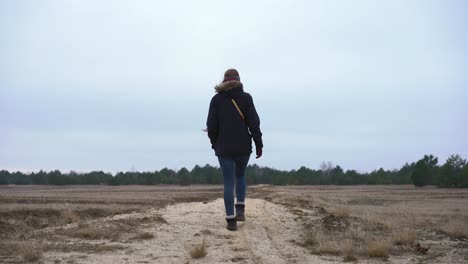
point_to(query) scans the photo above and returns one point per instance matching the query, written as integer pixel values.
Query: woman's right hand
(259, 152)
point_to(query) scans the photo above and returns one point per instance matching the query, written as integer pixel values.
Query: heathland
(185, 224)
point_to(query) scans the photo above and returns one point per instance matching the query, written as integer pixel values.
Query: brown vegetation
(378, 249)
(88, 248)
(373, 221)
(30, 252)
(199, 251)
(52, 215)
(327, 247)
(404, 237)
(143, 235)
(88, 232)
(457, 229)
(349, 251)
(352, 222)
(340, 211)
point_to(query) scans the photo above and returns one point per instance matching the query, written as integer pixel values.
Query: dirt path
(269, 235)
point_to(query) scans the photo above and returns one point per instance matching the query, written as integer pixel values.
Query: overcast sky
(111, 85)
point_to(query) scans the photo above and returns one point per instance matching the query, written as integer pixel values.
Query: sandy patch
(268, 236)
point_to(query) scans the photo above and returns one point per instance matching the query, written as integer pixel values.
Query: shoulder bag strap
(238, 109)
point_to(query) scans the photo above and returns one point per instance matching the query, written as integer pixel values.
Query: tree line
(426, 171)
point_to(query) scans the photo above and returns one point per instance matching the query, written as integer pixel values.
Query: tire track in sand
(257, 237)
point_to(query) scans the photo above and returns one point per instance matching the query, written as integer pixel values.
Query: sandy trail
(268, 236)
(271, 233)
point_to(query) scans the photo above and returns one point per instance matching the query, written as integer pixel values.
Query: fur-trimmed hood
(226, 86)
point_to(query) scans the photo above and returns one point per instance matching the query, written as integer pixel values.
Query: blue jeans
(233, 169)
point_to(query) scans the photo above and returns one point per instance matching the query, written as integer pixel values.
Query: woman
(232, 123)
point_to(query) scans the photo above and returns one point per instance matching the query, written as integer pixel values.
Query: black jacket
(229, 134)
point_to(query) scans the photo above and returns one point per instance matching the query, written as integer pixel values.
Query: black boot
(240, 211)
(231, 224)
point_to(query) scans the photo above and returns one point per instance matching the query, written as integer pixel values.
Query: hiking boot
(231, 224)
(240, 211)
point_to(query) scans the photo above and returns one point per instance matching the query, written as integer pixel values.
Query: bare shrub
(310, 242)
(144, 235)
(94, 212)
(327, 247)
(374, 222)
(356, 234)
(83, 247)
(199, 251)
(348, 250)
(88, 232)
(456, 229)
(70, 216)
(30, 252)
(83, 224)
(340, 211)
(110, 230)
(404, 237)
(206, 232)
(161, 219)
(350, 258)
(20, 230)
(378, 249)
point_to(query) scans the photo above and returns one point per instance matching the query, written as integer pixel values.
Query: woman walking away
(232, 123)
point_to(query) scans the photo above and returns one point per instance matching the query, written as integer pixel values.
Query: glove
(259, 152)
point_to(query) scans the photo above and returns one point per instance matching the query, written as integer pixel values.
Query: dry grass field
(285, 224)
(362, 222)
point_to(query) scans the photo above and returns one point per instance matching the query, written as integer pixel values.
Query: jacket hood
(228, 86)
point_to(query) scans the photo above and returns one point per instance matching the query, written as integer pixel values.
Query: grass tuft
(350, 258)
(349, 251)
(70, 216)
(144, 235)
(328, 248)
(161, 219)
(378, 249)
(405, 237)
(88, 232)
(206, 232)
(30, 252)
(199, 251)
(340, 211)
(310, 241)
(456, 229)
